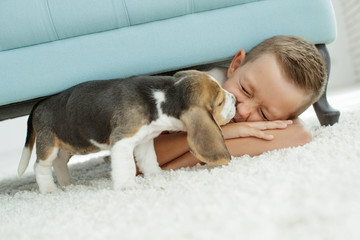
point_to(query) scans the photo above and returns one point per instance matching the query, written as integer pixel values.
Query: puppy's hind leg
(146, 158)
(43, 170)
(61, 169)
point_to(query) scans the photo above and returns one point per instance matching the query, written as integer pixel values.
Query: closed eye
(221, 103)
(263, 115)
(245, 91)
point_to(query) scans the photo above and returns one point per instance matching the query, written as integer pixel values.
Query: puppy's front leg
(123, 165)
(146, 158)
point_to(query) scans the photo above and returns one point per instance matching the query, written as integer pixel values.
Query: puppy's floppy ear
(205, 137)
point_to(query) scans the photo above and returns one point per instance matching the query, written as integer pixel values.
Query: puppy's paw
(63, 182)
(48, 188)
(153, 170)
(124, 185)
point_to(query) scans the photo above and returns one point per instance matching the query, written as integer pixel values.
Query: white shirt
(219, 73)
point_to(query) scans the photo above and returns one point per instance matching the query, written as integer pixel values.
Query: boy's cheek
(229, 86)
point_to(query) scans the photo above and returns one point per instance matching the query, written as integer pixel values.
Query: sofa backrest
(29, 22)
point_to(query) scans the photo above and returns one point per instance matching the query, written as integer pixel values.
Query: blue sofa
(47, 46)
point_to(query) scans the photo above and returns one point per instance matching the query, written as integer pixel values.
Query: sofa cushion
(29, 22)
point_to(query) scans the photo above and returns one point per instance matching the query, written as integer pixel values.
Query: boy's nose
(245, 110)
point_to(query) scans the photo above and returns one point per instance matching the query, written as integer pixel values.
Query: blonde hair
(301, 62)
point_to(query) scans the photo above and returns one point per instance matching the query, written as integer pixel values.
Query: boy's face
(262, 90)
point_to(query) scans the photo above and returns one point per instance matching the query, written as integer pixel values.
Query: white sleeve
(219, 73)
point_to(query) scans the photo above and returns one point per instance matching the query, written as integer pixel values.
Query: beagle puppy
(124, 116)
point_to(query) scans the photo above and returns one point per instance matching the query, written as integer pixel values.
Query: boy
(273, 85)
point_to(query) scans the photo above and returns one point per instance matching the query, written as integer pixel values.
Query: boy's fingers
(270, 124)
(259, 127)
(266, 136)
(255, 129)
(260, 134)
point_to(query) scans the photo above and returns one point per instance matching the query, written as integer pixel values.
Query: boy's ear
(236, 62)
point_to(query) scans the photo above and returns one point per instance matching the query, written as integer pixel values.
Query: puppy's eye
(221, 103)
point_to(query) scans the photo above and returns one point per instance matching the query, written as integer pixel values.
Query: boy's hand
(253, 129)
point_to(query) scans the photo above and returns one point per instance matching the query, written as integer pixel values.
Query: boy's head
(278, 79)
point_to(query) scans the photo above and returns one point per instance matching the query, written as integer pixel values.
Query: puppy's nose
(233, 99)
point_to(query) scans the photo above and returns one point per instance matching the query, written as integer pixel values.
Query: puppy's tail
(29, 144)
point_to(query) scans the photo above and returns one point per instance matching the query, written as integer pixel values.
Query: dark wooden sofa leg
(326, 114)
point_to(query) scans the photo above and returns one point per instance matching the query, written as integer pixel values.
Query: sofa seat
(48, 46)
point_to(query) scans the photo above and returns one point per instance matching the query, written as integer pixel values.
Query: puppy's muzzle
(229, 109)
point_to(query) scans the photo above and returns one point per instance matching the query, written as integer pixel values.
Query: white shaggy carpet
(309, 192)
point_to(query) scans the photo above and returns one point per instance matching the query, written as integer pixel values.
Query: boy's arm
(294, 135)
(169, 147)
(173, 152)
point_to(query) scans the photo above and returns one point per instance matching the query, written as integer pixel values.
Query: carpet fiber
(309, 192)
